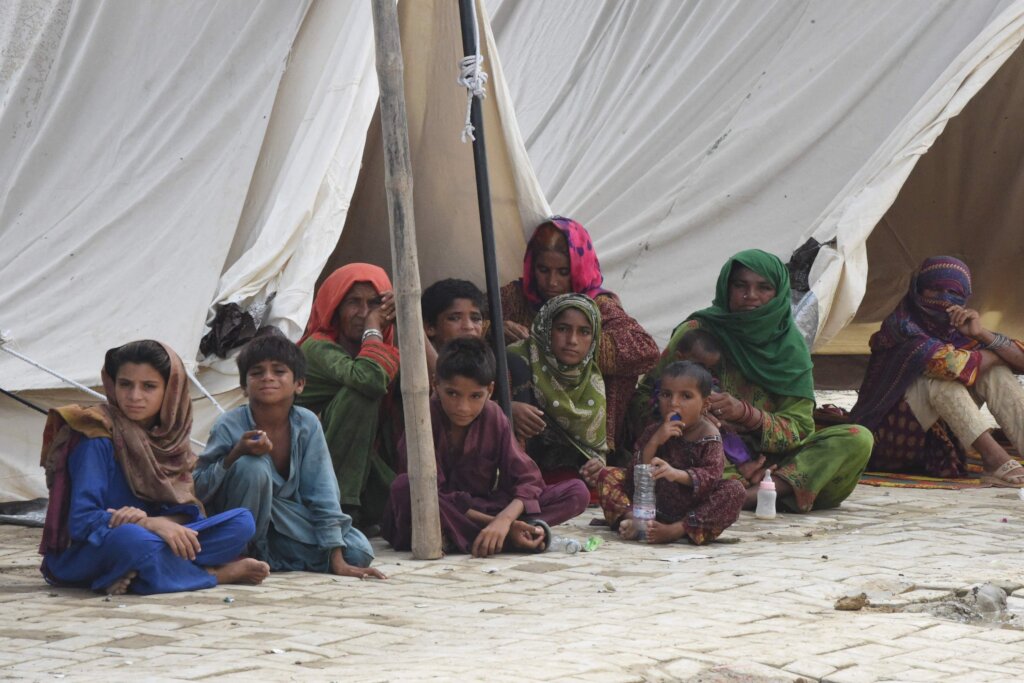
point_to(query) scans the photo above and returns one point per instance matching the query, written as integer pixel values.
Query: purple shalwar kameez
(489, 473)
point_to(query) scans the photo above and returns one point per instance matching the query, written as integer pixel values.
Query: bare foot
(750, 498)
(751, 468)
(664, 533)
(523, 537)
(246, 570)
(628, 529)
(120, 587)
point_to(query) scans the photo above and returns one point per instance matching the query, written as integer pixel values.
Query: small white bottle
(766, 498)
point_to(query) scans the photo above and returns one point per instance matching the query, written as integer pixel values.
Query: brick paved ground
(758, 609)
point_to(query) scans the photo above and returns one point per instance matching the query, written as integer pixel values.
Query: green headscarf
(763, 344)
(571, 396)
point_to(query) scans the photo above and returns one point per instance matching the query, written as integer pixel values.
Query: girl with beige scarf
(123, 515)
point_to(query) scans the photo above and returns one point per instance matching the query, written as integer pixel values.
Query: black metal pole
(483, 199)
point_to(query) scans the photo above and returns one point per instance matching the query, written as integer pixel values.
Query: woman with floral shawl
(560, 259)
(350, 383)
(566, 388)
(123, 515)
(932, 364)
(767, 390)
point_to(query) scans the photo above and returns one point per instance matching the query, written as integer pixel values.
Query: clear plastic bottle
(644, 504)
(766, 498)
(565, 544)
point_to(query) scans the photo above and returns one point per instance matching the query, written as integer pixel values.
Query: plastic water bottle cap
(767, 484)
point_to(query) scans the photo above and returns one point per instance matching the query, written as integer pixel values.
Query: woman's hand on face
(515, 332)
(125, 515)
(967, 321)
(182, 541)
(527, 420)
(383, 316)
(725, 408)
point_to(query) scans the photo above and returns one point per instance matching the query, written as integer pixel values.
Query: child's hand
(527, 420)
(183, 541)
(590, 471)
(125, 515)
(662, 470)
(492, 538)
(515, 332)
(254, 442)
(670, 428)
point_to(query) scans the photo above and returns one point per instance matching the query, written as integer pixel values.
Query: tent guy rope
(5, 336)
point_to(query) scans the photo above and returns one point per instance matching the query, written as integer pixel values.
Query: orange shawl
(322, 321)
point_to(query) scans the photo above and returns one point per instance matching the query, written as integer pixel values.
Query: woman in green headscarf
(766, 391)
(554, 370)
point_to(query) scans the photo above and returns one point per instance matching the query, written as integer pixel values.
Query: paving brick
(766, 601)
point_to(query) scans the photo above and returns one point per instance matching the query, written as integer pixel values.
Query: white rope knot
(474, 79)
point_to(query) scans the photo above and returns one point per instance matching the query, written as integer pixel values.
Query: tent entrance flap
(447, 218)
(964, 198)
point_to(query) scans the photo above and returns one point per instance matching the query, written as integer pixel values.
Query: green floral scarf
(571, 396)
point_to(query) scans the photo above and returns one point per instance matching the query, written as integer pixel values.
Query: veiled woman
(932, 364)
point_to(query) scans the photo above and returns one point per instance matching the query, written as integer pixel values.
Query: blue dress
(98, 555)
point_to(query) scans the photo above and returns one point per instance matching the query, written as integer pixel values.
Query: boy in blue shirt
(270, 456)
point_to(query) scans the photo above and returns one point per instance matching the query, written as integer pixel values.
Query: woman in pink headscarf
(560, 259)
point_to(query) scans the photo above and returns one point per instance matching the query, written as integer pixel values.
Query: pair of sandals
(1002, 478)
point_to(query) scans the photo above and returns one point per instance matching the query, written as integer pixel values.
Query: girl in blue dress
(123, 516)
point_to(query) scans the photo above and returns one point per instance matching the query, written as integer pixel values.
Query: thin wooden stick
(426, 520)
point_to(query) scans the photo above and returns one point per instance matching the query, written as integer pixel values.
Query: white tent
(161, 158)
(681, 132)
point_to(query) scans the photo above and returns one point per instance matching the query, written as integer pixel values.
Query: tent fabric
(444, 185)
(975, 215)
(299, 194)
(681, 132)
(161, 158)
(169, 157)
(131, 133)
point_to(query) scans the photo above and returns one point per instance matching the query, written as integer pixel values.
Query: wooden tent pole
(426, 520)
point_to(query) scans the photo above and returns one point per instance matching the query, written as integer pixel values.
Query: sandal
(1002, 477)
(547, 533)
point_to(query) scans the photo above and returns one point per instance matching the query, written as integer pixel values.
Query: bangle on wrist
(999, 341)
(372, 332)
(751, 417)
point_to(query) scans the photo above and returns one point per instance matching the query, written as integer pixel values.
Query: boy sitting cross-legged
(491, 495)
(271, 457)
